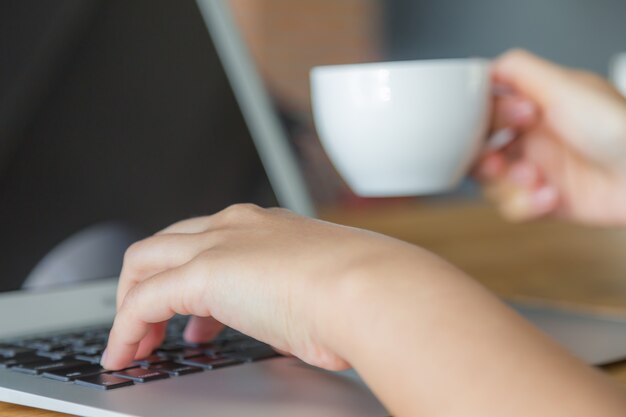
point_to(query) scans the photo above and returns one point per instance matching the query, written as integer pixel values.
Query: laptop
(51, 338)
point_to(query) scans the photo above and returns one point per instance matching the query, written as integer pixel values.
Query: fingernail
(103, 358)
(500, 139)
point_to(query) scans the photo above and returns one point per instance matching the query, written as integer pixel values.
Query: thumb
(535, 78)
(582, 109)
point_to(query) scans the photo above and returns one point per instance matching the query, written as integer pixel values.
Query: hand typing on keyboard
(271, 274)
(426, 338)
(75, 357)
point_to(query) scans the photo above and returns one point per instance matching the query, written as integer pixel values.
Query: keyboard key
(208, 362)
(47, 345)
(30, 367)
(76, 357)
(170, 348)
(151, 360)
(192, 345)
(56, 355)
(180, 354)
(87, 342)
(82, 340)
(213, 349)
(101, 333)
(28, 342)
(174, 369)
(36, 368)
(103, 381)
(67, 337)
(9, 351)
(253, 354)
(9, 362)
(239, 346)
(141, 374)
(96, 349)
(70, 374)
(230, 345)
(230, 336)
(93, 359)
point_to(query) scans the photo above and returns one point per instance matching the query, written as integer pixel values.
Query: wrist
(379, 292)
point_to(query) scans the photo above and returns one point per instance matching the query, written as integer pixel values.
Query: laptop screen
(122, 122)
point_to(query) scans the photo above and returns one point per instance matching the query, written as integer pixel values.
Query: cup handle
(502, 137)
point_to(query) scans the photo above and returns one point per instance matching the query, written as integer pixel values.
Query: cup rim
(414, 63)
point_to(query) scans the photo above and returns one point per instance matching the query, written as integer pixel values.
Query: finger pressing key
(152, 301)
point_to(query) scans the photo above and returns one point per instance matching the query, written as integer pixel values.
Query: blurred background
(288, 38)
(113, 120)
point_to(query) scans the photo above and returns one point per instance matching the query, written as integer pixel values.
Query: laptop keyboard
(75, 357)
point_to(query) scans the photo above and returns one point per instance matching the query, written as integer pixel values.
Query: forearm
(430, 341)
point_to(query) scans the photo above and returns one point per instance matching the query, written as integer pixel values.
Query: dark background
(112, 110)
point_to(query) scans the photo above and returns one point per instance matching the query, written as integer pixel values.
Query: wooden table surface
(545, 262)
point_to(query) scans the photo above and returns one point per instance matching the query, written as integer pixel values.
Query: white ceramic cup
(402, 128)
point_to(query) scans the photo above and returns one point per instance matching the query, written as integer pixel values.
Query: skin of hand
(237, 267)
(569, 158)
(427, 339)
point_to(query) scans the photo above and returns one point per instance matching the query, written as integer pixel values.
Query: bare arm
(440, 345)
(425, 337)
